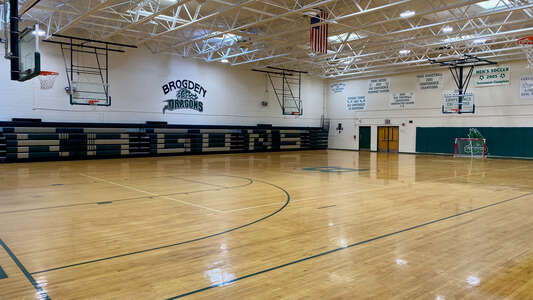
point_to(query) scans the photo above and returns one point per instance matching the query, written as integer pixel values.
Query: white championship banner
(526, 86)
(402, 100)
(337, 87)
(381, 85)
(429, 81)
(356, 103)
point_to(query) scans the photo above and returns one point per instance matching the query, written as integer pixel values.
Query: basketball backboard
(29, 55)
(20, 47)
(286, 85)
(450, 104)
(90, 93)
(4, 27)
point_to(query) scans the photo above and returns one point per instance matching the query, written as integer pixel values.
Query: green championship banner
(492, 76)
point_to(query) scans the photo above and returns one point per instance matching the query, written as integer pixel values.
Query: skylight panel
(491, 4)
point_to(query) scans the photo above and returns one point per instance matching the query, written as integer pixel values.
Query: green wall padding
(364, 137)
(501, 141)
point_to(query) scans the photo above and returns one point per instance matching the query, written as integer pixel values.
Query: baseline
(30, 278)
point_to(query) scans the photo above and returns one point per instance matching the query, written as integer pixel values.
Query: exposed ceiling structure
(366, 37)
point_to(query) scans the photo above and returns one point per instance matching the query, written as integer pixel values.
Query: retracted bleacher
(52, 141)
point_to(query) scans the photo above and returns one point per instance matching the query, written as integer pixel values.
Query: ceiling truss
(366, 37)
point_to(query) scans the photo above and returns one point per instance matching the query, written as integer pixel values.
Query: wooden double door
(388, 138)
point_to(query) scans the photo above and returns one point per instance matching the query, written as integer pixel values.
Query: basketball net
(47, 79)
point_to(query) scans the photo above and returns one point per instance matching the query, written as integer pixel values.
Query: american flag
(319, 33)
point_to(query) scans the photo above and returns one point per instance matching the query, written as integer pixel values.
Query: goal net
(468, 147)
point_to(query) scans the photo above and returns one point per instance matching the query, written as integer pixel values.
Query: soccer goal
(469, 147)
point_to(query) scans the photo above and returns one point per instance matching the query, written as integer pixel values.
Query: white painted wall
(499, 106)
(233, 96)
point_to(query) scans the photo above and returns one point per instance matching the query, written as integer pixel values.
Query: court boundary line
(379, 237)
(28, 275)
(152, 194)
(288, 200)
(250, 207)
(250, 182)
(199, 182)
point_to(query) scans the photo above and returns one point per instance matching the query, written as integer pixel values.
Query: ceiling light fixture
(39, 33)
(447, 29)
(311, 13)
(404, 51)
(407, 14)
(224, 61)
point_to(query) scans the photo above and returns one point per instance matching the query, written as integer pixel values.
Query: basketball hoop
(526, 43)
(92, 102)
(47, 79)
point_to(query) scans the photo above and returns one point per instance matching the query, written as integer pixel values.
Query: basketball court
(266, 149)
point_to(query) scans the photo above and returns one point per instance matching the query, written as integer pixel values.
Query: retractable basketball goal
(526, 43)
(470, 147)
(460, 101)
(287, 87)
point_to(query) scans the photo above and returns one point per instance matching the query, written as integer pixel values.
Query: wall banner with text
(338, 87)
(431, 81)
(402, 100)
(356, 103)
(381, 85)
(526, 86)
(492, 76)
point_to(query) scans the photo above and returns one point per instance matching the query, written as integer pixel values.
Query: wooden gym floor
(291, 225)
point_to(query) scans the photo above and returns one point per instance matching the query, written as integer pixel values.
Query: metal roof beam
(88, 12)
(148, 18)
(263, 21)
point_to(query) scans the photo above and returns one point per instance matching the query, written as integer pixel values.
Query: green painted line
(346, 247)
(333, 169)
(104, 202)
(3, 274)
(327, 206)
(42, 293)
